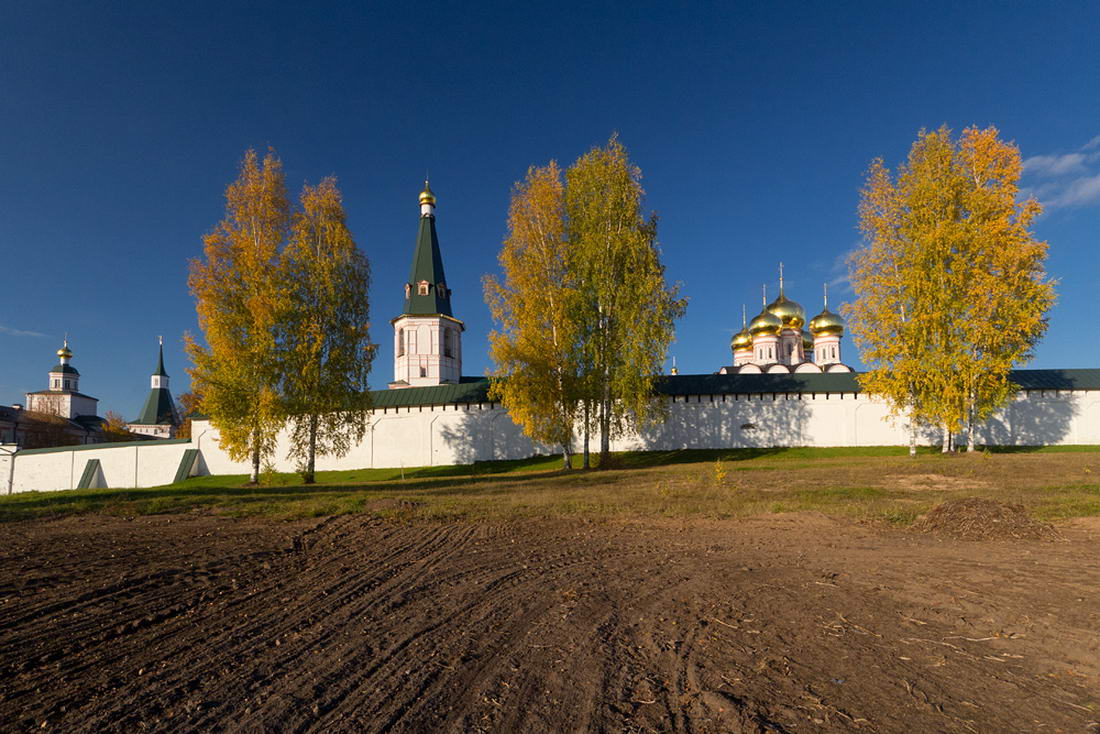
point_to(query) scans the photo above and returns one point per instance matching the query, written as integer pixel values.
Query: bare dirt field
(787, 623)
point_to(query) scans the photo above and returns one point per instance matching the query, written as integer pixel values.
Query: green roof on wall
(475, 389)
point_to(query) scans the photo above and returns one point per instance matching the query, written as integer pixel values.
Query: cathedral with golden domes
(778, 339)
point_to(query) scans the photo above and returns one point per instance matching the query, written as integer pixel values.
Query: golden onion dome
(827, 323)
(766, 323)
(65, 352)
(790, 313)
(741, 340)
(426, 196)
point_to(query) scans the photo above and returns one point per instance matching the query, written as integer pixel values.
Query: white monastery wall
(438, 436)
(409, 437)
(445, 435)
(121, 466)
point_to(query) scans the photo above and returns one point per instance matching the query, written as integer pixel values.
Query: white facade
(64, 404)
(427, 350)
(826, 349)
(156, 431)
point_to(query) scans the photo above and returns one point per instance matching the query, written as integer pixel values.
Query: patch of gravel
(976, 518)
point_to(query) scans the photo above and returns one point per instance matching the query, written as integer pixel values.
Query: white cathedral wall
(434, 436)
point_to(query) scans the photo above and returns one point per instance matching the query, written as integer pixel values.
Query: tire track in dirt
(355, 624)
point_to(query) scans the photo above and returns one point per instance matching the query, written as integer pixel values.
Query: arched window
(400, 342)
(422, 288)
(448, 343)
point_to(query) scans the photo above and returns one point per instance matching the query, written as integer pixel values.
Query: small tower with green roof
(427, 337)
(158, 416)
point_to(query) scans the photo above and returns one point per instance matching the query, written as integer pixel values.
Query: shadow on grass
(40, 504)
(351, 490)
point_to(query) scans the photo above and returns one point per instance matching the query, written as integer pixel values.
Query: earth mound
(976, 518)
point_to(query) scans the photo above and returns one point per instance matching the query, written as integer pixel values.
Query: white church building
(779, 341)
(786, 387)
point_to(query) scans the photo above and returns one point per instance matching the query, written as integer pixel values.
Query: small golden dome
(741, 340)
(790, 313)
(65, 352)
(426, 196)
(767, 323)
(827, 323)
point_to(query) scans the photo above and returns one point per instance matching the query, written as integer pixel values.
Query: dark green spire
(159, 408)
(160, 361)
(427, 267)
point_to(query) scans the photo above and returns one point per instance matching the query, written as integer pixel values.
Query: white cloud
(1066, 179)
(1078, 192)
(19, 332)
(1054, 165)
(840, 284)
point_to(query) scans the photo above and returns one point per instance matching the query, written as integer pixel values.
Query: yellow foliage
(535, 346)
(326, 351)
(239, 294)
(585, 317)
(951, 290)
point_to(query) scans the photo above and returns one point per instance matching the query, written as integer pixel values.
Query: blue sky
(121, 124)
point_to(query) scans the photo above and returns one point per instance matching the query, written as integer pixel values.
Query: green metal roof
(811, 382)
(159, 410)
(110, 445)
(470, 390)
(475, 389)
(160, 364)
(1079, 379)
(713, 384)
(65, 368)
(427, 265)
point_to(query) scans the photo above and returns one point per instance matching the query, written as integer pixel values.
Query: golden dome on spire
(65, 352)
(790, 313)
(765, 323)
(826, 323)
(426, 196)
(741, 340)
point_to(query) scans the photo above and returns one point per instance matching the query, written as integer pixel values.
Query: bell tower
(427, 338)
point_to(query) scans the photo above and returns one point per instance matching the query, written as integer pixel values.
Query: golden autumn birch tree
(535, 345)
(239, 295)
(1008, 292)
(951, 290)
(624, 310)
(326, 350)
